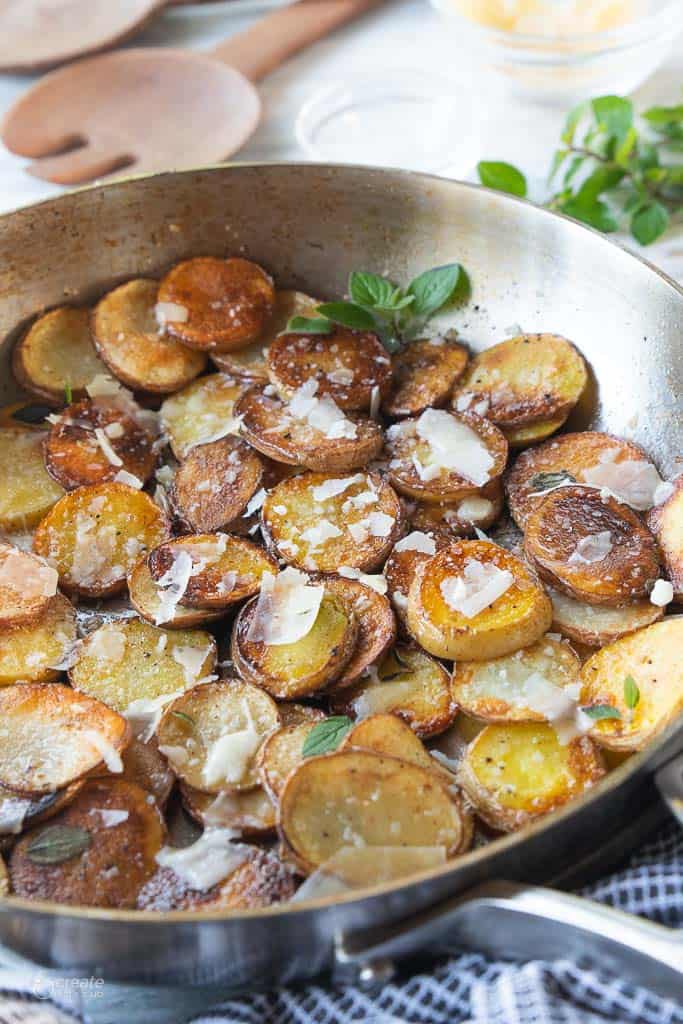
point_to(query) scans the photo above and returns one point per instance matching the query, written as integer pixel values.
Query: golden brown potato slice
(145, 766)
(449, 748)
(591, 547)
(559, 462)
(249, 812)
(94, 442)
(280, 754)
(216, 305)
(347, 365)
(407, 683)
(595, 625)
(27, 585)
(269, 426)
(36, 651)
(400, 568)
(388, 734)
(211, 735)
(524, 380)
(445, 457)
(57, 353)
(291, 670)
(27, 491)
(354, 797)
(322, 522)
(523, 687)
(124, 663)
(201, 413)
(651, 662)
(453, 610)
(93, 536)
(134, 346)
(376, 627)
(424, 375)
(533, 433)
(52, 736)
(147, 597)
(666, 523)
(97, 852)
(461, 518)
(519, 771)
(224, 570)
(215, 483)
(250, 362)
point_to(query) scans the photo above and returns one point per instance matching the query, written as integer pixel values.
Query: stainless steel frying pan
(310, 225)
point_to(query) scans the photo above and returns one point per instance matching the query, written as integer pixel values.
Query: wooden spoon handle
(272, 40)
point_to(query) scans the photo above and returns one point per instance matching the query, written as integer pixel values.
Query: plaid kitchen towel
(457, 989)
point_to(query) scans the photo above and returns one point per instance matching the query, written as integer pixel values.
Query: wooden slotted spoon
(158, 109)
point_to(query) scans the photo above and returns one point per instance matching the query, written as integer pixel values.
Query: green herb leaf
(624, 150)
(326, 735)
(649, 222)
(309, 325)
(548, 481)
(601, 711)
(432, 290)
(596, 214)
(370, 290)
(664, 115)
(502, 176)
(57, 844)
(559, 157)
(68, 393)
(348, 315)
(614, 114)
(631, 693)
(574, 117)
(185, 719)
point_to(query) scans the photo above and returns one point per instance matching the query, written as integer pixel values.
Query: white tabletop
(406, 34)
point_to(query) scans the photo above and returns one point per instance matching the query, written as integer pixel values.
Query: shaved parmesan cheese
(124, 477)
(375, 399)
(594, 548)
(177, 757)
(230, 755)
(317, 535)
(109, 753)
(191, 660)
(107, 644)
(375, 582)
(109, 453)
(474, 510)
(167, 312)
(165, 476)
(255, 503)
(417, 541)
(286, 609)
(103, 385)
(27, 574)
(13, 811)
(354, 867)
(479, 586)
(454, 446)
(145, 714)
(322, 414)
(663, 492)
(114, 430)
(110, 817)
(208, 861)
(400, 600)
(633, 481)
(379, 697)
(173, 585)
(331, 488)
(341, 375)
(376, 524)
(662, 593)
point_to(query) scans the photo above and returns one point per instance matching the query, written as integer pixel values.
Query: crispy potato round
(564, 542)
(93, 536)
(93, 441)
(211, 735)
(450, 747)
(200, 413)
(407, 683)
(55, 353)
(388, 734)
(52, 736)
(225, 569)
(27, 585)
(376, 627)
(214, 484)
(355, 797)
(652, 658)
(460, 518)
(145, 766)
(27, 491)
(125, 662)
(268, 425)
(533, 433)
(424, 375)
(666, 523)
(280, 754)
(413, 458)
(356, 526)
(250, 812)
(115, 832)
(146, 597)
(516, 772)
(526, 379)
(507, 689)
(225, 303)
(569, 456)
(250, 362)
(347, 365)
(594, 625)
(33, 652)
(131, 343)
(516, 619)
(289, 671)
(402, 563)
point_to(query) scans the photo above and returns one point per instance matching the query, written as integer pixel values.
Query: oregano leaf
(326, 736)
(58, 843)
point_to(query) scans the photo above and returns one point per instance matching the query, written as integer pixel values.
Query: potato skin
(666, 523)
(144, 597)
(27, 491)
(424, 375)
(460, 518)
(250, 812)
(233, 473)
(376, 627)
(28, 651)
(594, 625)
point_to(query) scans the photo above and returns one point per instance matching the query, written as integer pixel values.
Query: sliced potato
(355, 797)
(55, 353)
(52, 736)
(516, 772)
(132, 662)
(201, 413)
(376, 627)
(36, 651)
(250, 812)
(652, 659)
(224, 569)
(416, 468)
(211, 735)
(146, 596)
(424, 375)
(514, 688)
(595, 625)
(533, 433)
(524, 380)
(517, 618)
(388, 734)
(407, 683)
(145, 766)
(292, 670)
(461, 518)
(269, 426)
(450, 747)
(567, 456)
(280, 754)
(356, 526)
(27, 585)
(93, 536)
(27, 491)
(18, 813)
(295, 714)
(591, 547)
(115, 833)
(214, 484)
(223, 304)
(93, 441)
(666, 523)
(402, 563)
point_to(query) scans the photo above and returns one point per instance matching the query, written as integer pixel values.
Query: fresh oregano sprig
(612, 168)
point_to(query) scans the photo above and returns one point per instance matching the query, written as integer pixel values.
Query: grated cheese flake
(322, 414)
(594, 548)
(454, 446)
(286, 609)
(417, 541)
(207, 861)
(479, 586)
